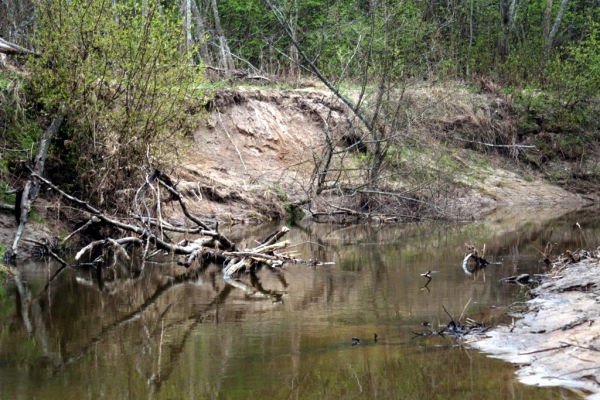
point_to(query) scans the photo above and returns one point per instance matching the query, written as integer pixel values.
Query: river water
(171, 333)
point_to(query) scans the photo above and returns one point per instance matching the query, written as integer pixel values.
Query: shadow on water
(172, 332)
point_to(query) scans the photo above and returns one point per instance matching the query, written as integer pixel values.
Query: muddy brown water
(168, 333)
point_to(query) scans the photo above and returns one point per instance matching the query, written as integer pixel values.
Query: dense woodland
(123, 83)
(516, 41)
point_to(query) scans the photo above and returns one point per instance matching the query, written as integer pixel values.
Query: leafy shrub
(122, 76)
(574, 76)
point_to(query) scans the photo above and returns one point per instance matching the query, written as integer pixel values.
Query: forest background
(124, 83)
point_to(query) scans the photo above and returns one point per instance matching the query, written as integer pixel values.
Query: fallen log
(7, 207)
(523, 279)
(147, 231)
(241, 261)
(11, 48)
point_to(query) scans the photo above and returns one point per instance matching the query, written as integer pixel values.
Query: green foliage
(565, 102)
(123, 78)
(5, 271)
(6, 198)
(278, 191)
(347, 39)
(35, 216)
(293, 214)
(18, 131)
(574, 76)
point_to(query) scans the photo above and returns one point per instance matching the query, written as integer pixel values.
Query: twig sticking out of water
(455, 328)
(428, 276)
(583, 233)
(448, 314)
(464, 309)
(547, 253)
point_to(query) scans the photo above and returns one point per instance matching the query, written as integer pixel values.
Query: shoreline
(556, 341)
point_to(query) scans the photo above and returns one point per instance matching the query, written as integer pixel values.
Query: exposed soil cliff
(257, 149)
(254, 153)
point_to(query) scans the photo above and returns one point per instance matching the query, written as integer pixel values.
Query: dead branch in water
(455, 328)
(475, 255)
(547, 253)
(148, 228)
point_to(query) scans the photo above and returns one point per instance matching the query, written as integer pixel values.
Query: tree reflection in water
(172, 332)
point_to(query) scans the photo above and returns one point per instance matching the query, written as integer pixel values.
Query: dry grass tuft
(487, 85)
(480, 121)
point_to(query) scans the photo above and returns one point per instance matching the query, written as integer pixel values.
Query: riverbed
(168, 332)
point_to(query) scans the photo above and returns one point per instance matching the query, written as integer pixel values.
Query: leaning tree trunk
(32, 187)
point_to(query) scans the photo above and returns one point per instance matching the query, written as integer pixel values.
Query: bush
(574, 76)
(18, 131)
(122, 76)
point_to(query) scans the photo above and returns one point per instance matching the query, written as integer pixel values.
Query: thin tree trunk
(226, 59)
(32, 186)
(512, 13)
(114, 9)
(373, 4)
(200, 33)
(326, 158)
(378, 133)
(554, 31)
(470, 37)
(188, 24)
(547, 19)
(294, 70)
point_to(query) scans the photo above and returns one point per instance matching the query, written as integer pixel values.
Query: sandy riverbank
(557, 340)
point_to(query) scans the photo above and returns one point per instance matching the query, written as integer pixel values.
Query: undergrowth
(19, 131)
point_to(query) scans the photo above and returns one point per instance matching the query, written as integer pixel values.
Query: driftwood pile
(151, 232)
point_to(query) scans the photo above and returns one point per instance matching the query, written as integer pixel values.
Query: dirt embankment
(557, 341)
(257, 150)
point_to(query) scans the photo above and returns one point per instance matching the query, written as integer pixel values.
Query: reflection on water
(175, 333)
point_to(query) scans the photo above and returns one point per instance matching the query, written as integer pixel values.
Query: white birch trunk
(554, 31)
